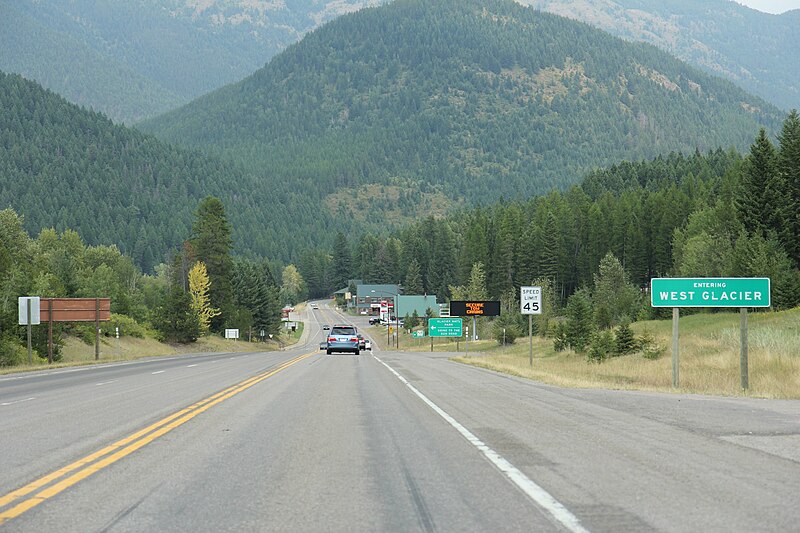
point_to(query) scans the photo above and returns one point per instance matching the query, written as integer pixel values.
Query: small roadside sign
(24, 303)
(530, 300)
(418, 334)
(444, 327)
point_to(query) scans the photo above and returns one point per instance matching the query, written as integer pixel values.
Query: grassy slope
(77, 352)
(709, 358)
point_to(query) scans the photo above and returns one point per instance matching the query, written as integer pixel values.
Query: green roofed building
(408, 303)
(369, 297)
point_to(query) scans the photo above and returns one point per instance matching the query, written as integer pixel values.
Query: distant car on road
(361, 341)
(314, 306)
(326, 326)
(368, 345)
(343, 338)
(374, 320)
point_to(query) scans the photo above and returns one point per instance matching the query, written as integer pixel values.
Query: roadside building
(370, 297)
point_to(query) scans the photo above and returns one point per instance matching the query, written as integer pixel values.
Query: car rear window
(343, 331)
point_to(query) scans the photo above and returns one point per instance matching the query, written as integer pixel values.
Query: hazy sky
(771, 6)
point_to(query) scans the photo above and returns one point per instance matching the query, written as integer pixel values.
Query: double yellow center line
(63, 478)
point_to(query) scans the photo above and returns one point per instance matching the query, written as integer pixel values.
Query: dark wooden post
(50, 330)
(96, 329)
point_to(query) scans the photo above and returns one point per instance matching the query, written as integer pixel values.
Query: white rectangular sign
(231, 333)
(23, 310)
(530, 300)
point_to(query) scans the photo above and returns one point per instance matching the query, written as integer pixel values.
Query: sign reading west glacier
(710, 292)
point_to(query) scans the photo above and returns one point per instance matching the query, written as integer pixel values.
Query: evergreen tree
(624, 341)
(757, 192)
(413, 281)
(175, 320)
(614, 297)
(789, 172)
(551, 250)
(579, 321)
(212, 244)
(342, 261)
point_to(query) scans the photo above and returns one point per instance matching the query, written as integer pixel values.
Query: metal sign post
(743, 348)
(530, 303)
(29, 315)
(676, 313)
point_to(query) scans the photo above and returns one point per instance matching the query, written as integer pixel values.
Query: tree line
(202, 289)
(714, 214)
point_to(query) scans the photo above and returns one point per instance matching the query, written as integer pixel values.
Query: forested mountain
(132, 59)
(717, 214)
(459, 101)
(758, 51)
(67, 168)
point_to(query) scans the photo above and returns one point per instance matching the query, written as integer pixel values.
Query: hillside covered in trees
(755, 50)
(138, 58)
(474, 100)
(63, 167)
(698, 215)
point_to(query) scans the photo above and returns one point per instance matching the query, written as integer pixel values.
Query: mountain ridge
(451, 84)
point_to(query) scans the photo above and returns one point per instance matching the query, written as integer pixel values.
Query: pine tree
(551, 250)
(624, 341)
(754, 196)
(579, 321)
(614, 297)
(212, 244)
(342, 261)
(789, 172)
(413, 282)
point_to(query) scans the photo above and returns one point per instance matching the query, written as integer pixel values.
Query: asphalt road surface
(390, 441)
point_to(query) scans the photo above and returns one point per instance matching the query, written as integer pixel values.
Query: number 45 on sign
(530, 300)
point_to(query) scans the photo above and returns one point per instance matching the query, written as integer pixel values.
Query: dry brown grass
(709, 358)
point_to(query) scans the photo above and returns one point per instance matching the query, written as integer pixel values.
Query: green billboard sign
(710, 292)
(444, 327)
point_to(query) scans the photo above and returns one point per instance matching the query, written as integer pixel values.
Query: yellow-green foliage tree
(199, 286)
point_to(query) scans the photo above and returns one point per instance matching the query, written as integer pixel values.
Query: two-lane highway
(302, 441)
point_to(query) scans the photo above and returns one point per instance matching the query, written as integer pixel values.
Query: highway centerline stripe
(122, 448)
(531, 489)
(158, 372)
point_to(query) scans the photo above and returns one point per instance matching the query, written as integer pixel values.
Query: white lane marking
(105, 382)
(190, 366)
(215, 361)
(534, 491)
(17, 401)
(159, 372)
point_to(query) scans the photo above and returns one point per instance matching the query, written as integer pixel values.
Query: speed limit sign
(530, 300)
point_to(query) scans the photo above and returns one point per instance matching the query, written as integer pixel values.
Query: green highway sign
(444, 327)
(710, 292)
(418, 334)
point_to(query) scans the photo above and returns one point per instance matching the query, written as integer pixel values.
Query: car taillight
(354, 339)
(331, 339)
